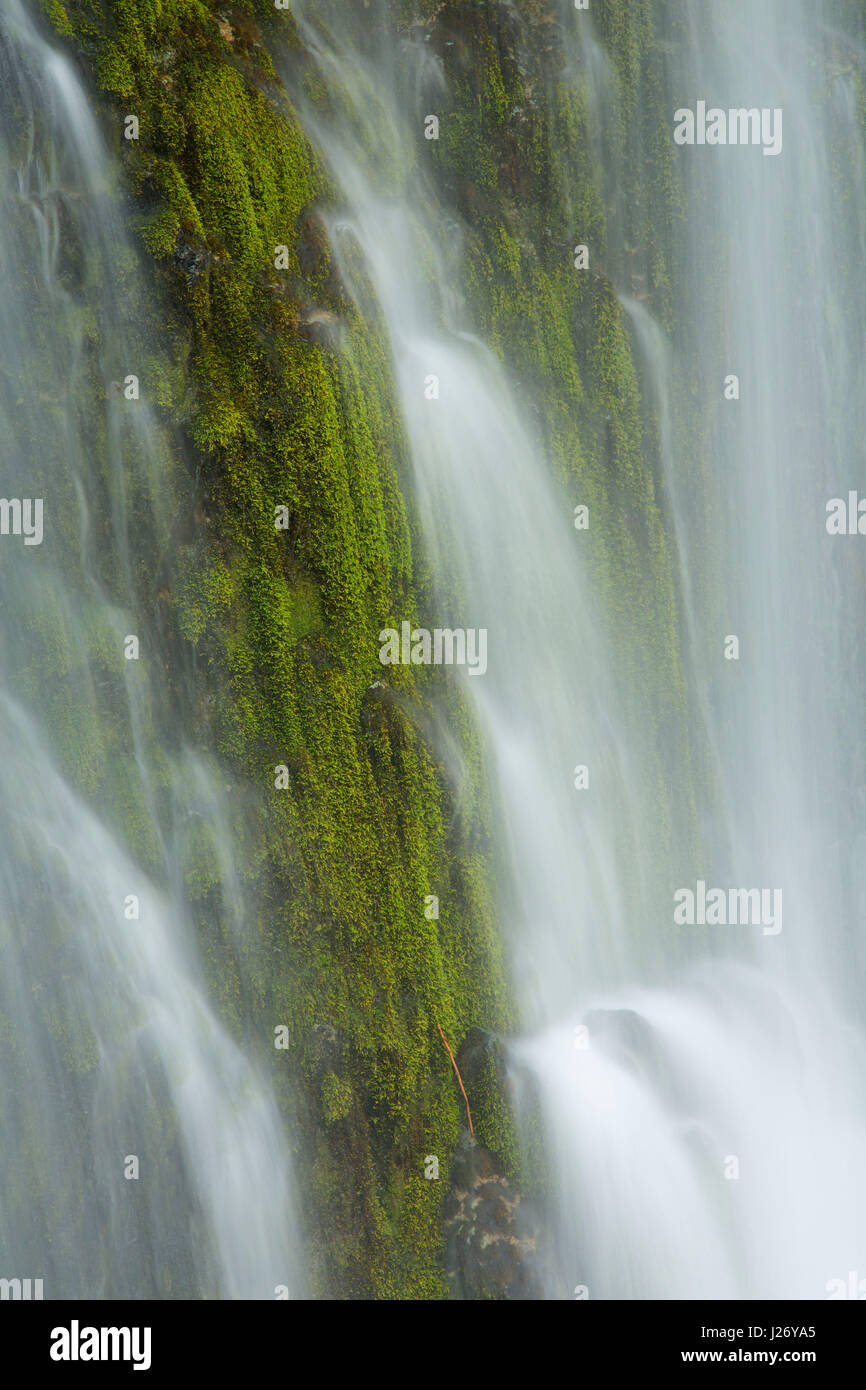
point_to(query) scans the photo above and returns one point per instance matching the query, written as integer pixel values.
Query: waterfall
(678, 777)
(143, 1152)
(702, 1086)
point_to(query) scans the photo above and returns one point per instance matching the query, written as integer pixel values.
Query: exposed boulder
(491, 1231)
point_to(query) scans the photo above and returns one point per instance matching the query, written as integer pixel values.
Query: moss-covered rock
(297, 544)
(296, 551)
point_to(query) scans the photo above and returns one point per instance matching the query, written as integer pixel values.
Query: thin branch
(459, 1079)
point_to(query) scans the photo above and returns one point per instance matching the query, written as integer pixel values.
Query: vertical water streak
(109, 1047)
(708, 1142)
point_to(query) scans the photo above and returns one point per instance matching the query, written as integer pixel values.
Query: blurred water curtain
(431, 584)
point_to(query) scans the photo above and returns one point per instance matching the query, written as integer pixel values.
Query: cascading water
(109, 1047)
(708, 1141)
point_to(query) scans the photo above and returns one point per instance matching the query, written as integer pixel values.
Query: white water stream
(710, 1139)
(110, 1049)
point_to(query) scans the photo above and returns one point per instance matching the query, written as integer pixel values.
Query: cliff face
(296, 542)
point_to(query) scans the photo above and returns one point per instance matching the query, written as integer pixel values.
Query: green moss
(336, 1098)
(58, 18)
(281, 628)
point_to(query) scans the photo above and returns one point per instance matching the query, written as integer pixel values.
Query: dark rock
(312, 246)
(192, 257)
(324, 1046)
(322, 327)
(491, 1231)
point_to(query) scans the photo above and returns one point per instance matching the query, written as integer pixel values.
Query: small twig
(459, 1079)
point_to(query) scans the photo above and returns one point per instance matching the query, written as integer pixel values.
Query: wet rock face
(491, 1231)
(192, 257)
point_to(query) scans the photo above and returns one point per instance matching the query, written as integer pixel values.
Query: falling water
(109, 1047)
(707, 1141)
